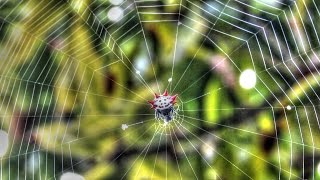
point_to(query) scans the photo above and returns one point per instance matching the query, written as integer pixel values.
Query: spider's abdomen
(163, 106)
(163, 102)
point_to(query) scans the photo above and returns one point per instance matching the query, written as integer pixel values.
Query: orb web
(75, 77)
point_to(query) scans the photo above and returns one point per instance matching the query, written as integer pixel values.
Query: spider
(164, 106)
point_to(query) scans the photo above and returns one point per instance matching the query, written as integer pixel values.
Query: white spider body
(164, 106)
(163, 102)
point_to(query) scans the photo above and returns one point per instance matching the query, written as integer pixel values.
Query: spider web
(76, 77)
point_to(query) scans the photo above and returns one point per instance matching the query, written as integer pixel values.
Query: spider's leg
(157, 114)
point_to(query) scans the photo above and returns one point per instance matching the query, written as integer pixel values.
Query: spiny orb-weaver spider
(164, 106)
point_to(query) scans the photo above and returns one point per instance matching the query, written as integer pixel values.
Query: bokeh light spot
(115, 14)
(71, 176)
(4, 143)
(248, 79)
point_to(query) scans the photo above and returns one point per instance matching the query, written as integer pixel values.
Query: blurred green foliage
(69, 82)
